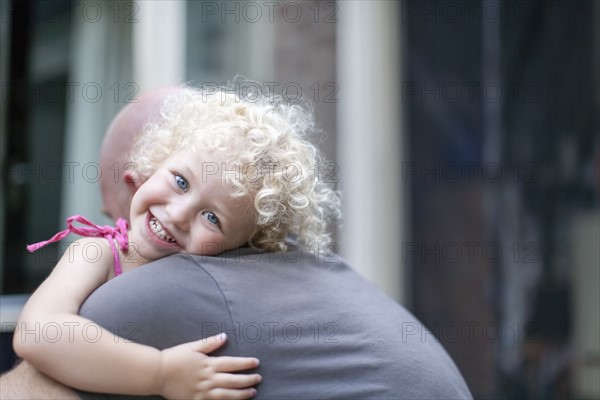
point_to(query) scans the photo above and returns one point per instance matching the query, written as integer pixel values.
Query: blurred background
(464, 136)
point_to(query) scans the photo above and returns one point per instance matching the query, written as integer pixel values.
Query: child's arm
(54, 339)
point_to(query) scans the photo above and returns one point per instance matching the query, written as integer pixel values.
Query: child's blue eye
(211, 217)
(181, 182)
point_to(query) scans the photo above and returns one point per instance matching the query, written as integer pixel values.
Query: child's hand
(186, 372)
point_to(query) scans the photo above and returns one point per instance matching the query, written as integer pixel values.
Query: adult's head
(118, 182)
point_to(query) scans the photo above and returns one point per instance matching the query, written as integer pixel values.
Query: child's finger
(210, 343)
(233, 394)
(235, 381)
(232, 364)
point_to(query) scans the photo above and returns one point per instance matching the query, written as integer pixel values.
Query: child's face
(183, 208)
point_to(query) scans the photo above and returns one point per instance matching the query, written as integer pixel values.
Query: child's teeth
(158, 229)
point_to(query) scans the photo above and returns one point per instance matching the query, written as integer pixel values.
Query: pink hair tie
(92, 230)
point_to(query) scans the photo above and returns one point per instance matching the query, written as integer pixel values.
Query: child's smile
(158, 233)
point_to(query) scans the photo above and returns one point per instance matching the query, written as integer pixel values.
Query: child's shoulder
(91, 241)
(91, 249)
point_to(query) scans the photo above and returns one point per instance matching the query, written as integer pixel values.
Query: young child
(222, 171)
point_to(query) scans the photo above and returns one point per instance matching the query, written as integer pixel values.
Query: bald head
(117, 182)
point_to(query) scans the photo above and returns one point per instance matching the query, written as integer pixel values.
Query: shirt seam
(225, 299)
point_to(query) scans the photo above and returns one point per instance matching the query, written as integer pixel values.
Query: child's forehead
(199, 152)
(208, 162)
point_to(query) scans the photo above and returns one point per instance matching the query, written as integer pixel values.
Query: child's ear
(132, 180)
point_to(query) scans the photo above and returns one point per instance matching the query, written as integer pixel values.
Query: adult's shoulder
(312, 320)
(160, 304)
(157, 276)
(315, 306)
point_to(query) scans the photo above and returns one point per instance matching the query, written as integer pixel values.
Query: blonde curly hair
(267, 140)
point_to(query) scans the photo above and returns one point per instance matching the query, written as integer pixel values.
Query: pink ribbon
(110, 233)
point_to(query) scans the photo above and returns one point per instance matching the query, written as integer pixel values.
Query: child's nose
(180, 214)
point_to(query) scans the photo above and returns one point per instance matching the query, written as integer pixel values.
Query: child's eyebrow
(188, 172)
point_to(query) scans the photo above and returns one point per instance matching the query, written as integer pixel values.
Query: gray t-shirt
(319, 329)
